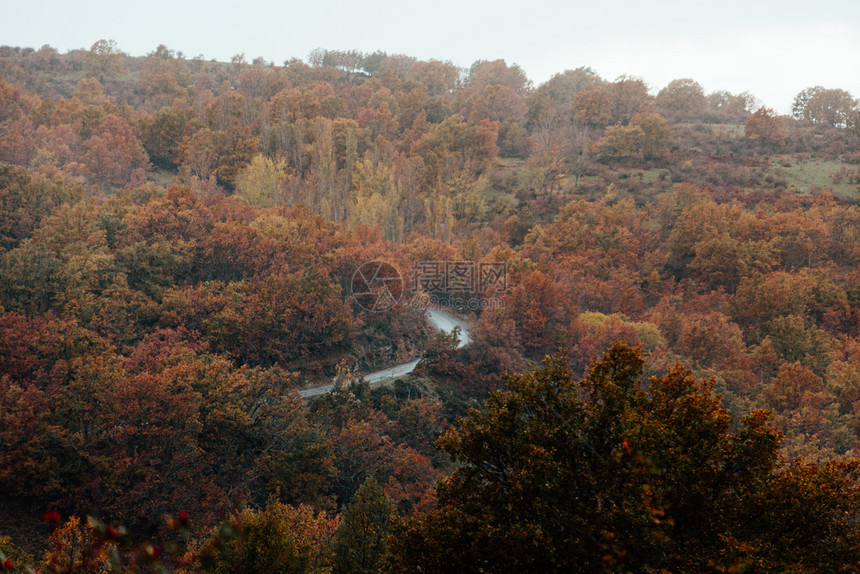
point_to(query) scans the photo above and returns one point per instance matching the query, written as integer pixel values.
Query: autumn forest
(663, 375)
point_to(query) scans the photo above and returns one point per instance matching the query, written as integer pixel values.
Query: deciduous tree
(114, 153)
(280, 539)
(830, 107)
(592, 106)
(765, 127)
(104, 60)
(683, 99)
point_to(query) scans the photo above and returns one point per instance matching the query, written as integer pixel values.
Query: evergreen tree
(361, 537)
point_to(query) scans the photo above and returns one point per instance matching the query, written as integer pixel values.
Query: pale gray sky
(771, 48)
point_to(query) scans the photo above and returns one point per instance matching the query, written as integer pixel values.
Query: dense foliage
(178, 242)
(601, 474)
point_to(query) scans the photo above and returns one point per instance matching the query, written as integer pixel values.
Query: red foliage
(113, 153)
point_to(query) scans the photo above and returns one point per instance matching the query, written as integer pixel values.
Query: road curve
(440, 320)
(446, 322)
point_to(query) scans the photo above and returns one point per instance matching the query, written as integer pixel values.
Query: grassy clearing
(724, 131)
(806, 175)
(729, 131)
(509, 162)
(163, 178)
(649, 176)
(501, 198)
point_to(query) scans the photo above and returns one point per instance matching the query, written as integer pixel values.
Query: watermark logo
(459, 276)
(459, 284)
(463, 285)
(377, 286)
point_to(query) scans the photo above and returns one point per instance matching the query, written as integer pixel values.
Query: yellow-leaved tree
(263, 182)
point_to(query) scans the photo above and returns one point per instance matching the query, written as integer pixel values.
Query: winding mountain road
(441, 320)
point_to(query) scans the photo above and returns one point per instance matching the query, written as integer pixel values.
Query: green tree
(601, 475)
(830, 107)
(657, 137)
(162, 134)
(104, 60)
(801, 100)
(621, 141)
(360, 540)
(818, 105)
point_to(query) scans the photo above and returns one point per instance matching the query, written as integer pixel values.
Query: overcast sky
(772, 49)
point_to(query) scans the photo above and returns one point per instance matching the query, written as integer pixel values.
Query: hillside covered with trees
(667, 377)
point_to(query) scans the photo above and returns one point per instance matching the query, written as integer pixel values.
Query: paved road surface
(446, 322)
(439, 319)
